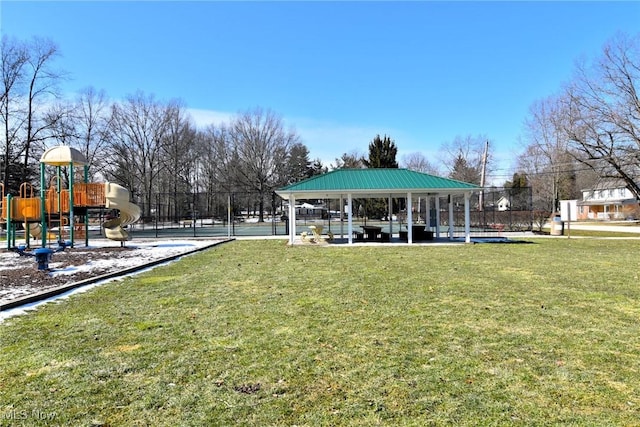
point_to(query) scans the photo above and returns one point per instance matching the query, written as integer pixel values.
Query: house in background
(608, 200)
(504, 204)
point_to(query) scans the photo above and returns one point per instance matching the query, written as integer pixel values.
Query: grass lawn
(257, 333)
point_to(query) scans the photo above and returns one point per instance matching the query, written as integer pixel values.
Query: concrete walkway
(613, 226)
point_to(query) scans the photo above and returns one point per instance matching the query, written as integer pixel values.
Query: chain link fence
(224, 214)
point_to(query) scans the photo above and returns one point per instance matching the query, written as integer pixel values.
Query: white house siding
(605, 203)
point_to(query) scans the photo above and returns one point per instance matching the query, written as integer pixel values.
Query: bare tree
(91, 120)
(547, 160)
(463, 158)
(13, 57)
(416, 161)
(602, 107)
(42, 84)
(219, 165)
(29, 86)
(137, 133)
(179, 155)
(262, 146)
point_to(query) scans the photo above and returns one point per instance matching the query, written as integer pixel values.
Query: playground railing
(84, 195)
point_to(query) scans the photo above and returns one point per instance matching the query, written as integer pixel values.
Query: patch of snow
(141, 252)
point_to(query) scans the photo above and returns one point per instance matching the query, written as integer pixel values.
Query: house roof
(373, 183)
(607, 202)
(607, 184)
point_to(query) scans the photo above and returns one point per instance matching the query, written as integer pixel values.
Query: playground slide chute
(117, 197)
(35, 230)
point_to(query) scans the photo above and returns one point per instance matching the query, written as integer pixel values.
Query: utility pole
(483, 175)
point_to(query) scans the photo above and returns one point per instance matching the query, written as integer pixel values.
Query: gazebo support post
(467, 218)
(342, 216)
(292, 219)
(349, 219)
(409, 220)
(427, 212)
(437, 215)
(450, 217)
(390, 215)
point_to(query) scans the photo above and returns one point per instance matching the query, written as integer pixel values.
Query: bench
(186, 223)
(419, 234)
(359, 235)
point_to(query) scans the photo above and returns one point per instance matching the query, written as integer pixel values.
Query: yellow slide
(117, 197)
(35, 230)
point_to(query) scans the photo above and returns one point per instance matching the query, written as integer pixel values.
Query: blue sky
(338, 72)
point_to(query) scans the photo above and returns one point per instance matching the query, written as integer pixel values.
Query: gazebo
(380, 183)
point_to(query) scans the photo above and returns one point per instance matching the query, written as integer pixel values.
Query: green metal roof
(373, 182)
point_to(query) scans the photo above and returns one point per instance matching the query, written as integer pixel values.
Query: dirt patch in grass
(20, 277)
(24, 277)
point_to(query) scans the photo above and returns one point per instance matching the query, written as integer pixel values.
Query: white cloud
(204, 118)
(328, 141)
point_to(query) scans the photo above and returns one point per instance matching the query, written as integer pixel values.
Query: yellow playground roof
(63, 155)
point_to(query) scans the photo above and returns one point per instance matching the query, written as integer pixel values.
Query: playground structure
(58, 209)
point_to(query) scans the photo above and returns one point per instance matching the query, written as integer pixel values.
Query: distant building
(307, 210)
(608, 200)
(504, 204)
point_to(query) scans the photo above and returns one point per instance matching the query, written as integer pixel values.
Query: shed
(504, 204)
(378, 183)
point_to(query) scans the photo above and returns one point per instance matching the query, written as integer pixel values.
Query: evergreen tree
(349, 161)
(518, 192)
(382, 153)
(518, 181)
(15, 174)
(300, 167)
(463, 171)
(299, 164)
(317, 168)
